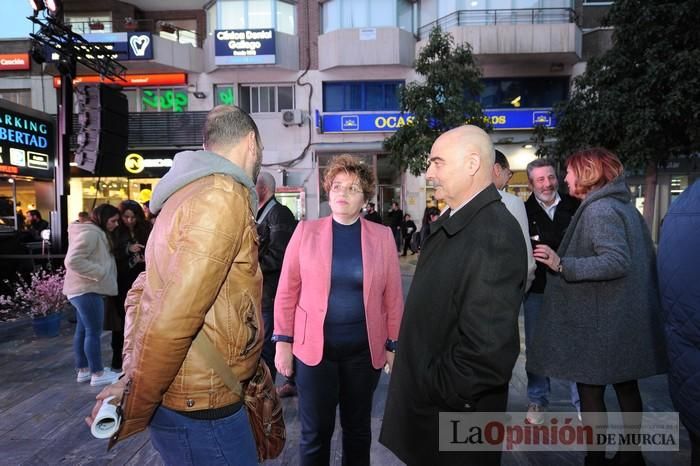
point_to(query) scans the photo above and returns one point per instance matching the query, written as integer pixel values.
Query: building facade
(320, 78)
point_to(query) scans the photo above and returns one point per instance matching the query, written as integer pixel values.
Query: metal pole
(59, 228)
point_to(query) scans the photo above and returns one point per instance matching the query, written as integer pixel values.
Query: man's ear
(252, 142)
(473, 163)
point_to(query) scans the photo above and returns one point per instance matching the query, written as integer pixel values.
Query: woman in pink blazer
(337, 315)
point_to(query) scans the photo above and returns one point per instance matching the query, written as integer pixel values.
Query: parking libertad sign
(26, 142)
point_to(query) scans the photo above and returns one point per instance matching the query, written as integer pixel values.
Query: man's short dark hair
(539, 163)
(226, 125)
(371, 204)
(35, 213)
(501, 159)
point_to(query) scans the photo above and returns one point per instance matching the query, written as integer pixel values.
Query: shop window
(266, 98)
(343, 14)
(258, 14)
(225, 94)
(164, 100)
(351, 96)
(524, 92)
(19, 96)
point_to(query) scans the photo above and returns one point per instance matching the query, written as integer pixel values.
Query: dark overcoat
(679, 262)
(601, 321)
(459, 335)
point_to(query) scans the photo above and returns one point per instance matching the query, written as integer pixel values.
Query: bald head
(461, 161)
(265, 187)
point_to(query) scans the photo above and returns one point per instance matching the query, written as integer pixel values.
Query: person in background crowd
(337, 315)
(394, 219)
(372, 215)
(131, 238)
(678, 259)
(548, 213)
(429, 217)
(83, 217)
(202, 275)
(459, 335)
(408, 229)
(91, 274)
(36, 224)
(501, 175)
(601, 321)
(150, 216)
(275, 225)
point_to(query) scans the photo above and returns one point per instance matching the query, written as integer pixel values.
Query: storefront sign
(14, 61)
(175, 100)
(26, 142)
(501, 119)
(123, 46)
(135, 163)
(244, 46)
(132, 80)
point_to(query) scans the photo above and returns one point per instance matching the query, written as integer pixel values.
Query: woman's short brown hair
(352, 166)
(594, 168)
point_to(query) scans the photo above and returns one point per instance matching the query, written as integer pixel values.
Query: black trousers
(268, 351)
(346, 378)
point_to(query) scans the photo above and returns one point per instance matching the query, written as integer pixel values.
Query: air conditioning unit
(292, 117)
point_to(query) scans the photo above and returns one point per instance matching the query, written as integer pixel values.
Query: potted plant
(38, 295)
(130, 23)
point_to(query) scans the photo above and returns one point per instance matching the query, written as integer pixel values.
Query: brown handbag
(259, 397)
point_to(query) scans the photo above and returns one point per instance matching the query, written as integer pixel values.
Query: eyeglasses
(352, 189)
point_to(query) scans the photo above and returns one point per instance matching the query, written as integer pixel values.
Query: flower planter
(48, 326)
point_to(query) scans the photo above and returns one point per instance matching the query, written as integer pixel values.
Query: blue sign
(364, 122)
(501, 119)
(244, 46)
(123, 46)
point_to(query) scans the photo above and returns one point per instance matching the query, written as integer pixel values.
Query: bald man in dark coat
(459, 335)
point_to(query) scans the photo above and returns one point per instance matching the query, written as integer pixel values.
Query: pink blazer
(302, 296)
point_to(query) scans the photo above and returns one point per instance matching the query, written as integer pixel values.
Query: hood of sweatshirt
(189, 166)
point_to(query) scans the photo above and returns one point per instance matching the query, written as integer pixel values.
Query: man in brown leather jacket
(202, 275)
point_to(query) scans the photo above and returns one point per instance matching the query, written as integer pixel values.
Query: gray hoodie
(189, 166)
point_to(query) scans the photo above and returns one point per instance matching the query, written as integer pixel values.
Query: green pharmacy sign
(226, 96)
(175, 100)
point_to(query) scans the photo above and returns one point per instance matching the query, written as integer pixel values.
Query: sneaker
(83, 376)
(106, 378)
(535, 414)
(287, 390)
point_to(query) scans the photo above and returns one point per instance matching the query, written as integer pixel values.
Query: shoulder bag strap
(206, 348)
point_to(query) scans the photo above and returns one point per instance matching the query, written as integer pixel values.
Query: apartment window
(258, 14)
(89, 23)
(343, 14)
(360, 96)
(19, 96)
(524, 92)
(266, 98)
(163, 99)
(225, 94)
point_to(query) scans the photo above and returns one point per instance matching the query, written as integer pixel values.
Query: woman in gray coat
(601, 321)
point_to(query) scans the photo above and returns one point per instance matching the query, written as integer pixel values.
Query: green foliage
(437, 101)
(641, 98)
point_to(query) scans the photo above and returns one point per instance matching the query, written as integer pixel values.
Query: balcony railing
(161, 28)
(491, 17)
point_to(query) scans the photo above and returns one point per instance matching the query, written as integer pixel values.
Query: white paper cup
(107, 420)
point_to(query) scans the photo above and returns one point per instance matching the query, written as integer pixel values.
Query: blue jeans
(268, 351)
(538, 386)
(185, 441)
(90, 316)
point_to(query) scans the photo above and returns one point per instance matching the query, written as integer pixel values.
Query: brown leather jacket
(202, 275)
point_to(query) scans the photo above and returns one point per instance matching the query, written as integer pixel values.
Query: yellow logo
(134, 163)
